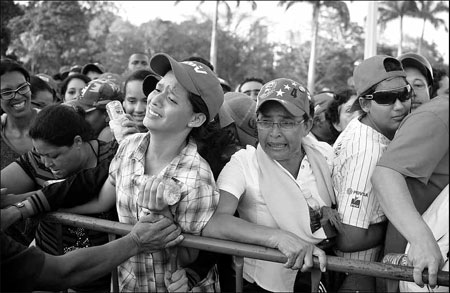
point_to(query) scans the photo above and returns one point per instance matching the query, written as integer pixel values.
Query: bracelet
(21, 207)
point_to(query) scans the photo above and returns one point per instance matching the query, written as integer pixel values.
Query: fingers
(322, 258)
(175, 242)
(177, 281)
(144, 194)
(307, 262)
(153, 203)
(432, 275)
(417, 274)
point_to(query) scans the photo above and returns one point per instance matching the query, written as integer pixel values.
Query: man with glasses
(384, 96)
(278, 188)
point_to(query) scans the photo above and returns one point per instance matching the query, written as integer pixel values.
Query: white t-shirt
(436, 217)
(240, 178)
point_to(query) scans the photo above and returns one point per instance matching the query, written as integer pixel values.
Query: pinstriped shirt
(199, 199)
(356, 153)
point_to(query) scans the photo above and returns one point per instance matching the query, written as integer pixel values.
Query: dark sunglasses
(389, 97)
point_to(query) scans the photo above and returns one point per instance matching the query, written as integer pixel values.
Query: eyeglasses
(285, 125)
(8, 95)
(389, 97)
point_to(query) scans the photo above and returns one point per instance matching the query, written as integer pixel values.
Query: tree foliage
(50, 34)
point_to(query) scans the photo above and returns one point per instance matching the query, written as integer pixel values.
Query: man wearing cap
(93, 70)
(238, 114)
(93, 100)
(410, 175)
(384, 96)
(179, 109)
(277, 188)
(322, 128)
(419, 74)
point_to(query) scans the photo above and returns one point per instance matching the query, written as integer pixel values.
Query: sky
(279, 20)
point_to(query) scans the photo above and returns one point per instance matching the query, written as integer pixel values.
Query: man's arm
(351, 238)
(393, 194)
(151, 233)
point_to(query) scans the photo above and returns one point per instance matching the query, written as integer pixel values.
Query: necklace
(95, 153)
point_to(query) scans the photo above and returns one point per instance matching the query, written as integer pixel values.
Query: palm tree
(391, 10)
(344, 15)
(213, 48)
(427, 10)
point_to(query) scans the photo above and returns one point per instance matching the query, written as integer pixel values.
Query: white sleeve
(232, 176)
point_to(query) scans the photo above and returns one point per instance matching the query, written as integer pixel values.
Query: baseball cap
(64, 71)
(322, 101)
(97, 67)
(195, 77)
(149, 83)
(225, 85)
(97, 94)
(292, 95)
(243, 112)
(49, 80)
(113, 77)
(374, 70)
(419, 62)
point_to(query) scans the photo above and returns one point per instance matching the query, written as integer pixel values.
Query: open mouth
(19, 106)
(153, 114)
(276, 146)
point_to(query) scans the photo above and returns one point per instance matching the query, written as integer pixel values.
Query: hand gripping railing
(241, 250)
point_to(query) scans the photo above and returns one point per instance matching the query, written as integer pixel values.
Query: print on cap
(269, 88)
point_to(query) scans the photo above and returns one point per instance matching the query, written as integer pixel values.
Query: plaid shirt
(199, 199)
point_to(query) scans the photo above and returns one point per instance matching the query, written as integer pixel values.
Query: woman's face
(420, 86)
(135, 102)
(168, 107)
(386, 118)
(345, 115)
(74, 88)
(62, 161)
(20, 105)
(282, 145)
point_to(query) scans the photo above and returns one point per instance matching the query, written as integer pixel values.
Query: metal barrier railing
(241, 250)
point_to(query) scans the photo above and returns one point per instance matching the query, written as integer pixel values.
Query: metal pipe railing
(334, 263)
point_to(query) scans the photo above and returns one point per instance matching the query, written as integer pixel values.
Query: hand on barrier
(155, 232)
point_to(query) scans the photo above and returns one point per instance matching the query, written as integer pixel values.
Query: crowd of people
(360, 172)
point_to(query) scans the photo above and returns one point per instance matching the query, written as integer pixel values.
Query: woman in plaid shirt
(178, 115)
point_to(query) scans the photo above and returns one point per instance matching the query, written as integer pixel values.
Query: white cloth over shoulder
(436, 217)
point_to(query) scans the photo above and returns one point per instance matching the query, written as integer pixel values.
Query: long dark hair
(213, 143)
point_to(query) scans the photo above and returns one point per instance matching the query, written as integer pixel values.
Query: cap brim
(161, 63)
(356, 106)
(291, 108)
(225, 118)
(150, 83)
(77, 103)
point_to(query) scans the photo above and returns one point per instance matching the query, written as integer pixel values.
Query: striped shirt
(356, 153)
(199, 199)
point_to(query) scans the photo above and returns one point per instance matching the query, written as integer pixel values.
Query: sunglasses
(389, 97)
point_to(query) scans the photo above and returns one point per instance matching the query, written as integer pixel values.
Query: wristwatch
(21, 207)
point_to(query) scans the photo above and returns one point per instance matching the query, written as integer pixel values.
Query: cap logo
(269, 88)
(197, 68)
